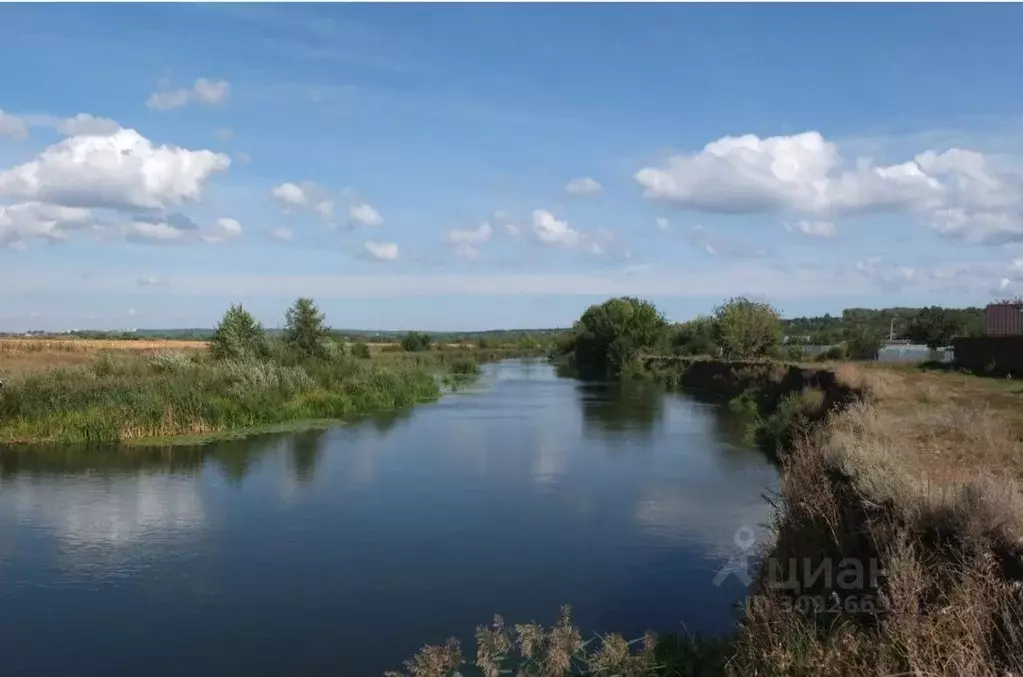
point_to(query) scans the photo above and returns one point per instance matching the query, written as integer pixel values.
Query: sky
(461, 167)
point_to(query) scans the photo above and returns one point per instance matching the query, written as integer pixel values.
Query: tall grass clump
(249, 381)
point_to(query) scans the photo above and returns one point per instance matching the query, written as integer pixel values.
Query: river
(341, 551)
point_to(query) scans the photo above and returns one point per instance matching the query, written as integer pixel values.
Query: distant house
(1004, 319)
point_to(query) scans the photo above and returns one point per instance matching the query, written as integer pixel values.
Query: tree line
(612, 335)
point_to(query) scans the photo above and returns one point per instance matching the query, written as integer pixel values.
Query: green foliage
(935, 327)
(610, 336)
(794, 352)
(304, 328)
(238, 335)
(415, 341)
(360, 349)
(695, 337)
(745, 328)
(863, 343)
(464, 367)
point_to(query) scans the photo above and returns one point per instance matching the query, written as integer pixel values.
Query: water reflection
(621, 407)
(528, 492)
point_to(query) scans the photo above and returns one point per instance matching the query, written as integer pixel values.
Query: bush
(415, 341)
(464, 368)
(238, 335)
(695, 337)
(610, 336)
(745, 328)
(360, 349)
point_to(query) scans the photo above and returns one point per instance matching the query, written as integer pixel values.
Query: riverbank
(131, 398)
(898, 538)
(899, 534)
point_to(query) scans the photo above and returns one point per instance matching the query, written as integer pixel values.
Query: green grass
(172, 395)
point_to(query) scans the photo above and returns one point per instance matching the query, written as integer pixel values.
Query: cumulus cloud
(84, 124)
(583, 186)
(203, 91)
(813, 228)
(154, 232)
(121, 171)
(551, 230)
(382, 251)
(151, 281)
(467, 251)
(473, 236)
(324, 208)
(225, 229)
(662, 223)
(290, 194)
(12, 126)
(26, 220)
(364, 214)
(282, 234)
(958, 192)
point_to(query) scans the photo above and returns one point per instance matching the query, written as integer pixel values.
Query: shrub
(745, 328)
(238, 335)
(695, 337)
(361, 350)
(610, 336)
(464, 368)
(415, 341)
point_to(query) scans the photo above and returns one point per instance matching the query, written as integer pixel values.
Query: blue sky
(483, 166)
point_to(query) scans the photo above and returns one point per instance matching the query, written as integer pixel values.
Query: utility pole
(891, 331)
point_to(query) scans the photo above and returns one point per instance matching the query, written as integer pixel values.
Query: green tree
(238, 335)
(610, 336)
(935, 327)
(695, 337)
(863, 343)
(745, 328)
(415, 341)
(304, 328)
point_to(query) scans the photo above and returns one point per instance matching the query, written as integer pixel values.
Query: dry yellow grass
(922, 477)
(19, 357)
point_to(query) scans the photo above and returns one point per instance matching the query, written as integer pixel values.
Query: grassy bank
(127, 398)
(898, 544)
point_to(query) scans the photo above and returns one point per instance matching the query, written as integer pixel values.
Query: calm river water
(340, 552)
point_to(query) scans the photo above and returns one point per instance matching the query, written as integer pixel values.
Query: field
(19, 357)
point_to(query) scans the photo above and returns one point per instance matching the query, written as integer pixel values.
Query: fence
(996, 354)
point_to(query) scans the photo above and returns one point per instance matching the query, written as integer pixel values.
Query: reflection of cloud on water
(105, 512)
(705, 516)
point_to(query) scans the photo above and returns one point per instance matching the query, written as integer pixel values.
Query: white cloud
(291, 194)
(512, 229)
(225, 229)
(84, 124)
(583, 186)
(121, 171)
(282, 234)
(382, 251)
(132, 312)
(476, 236)
(12, 125)
(813, 228)
(958, 192)
(663, 223)
(159, 232)
(209, 92)
(550, 230)
(27, 220)
(151, 281)
(225, 134)
(364, 214)
(243, 158)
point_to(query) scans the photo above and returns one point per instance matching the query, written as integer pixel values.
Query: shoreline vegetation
(243, 381)
(898, 533)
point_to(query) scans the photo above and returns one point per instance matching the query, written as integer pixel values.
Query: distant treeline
(827, 329)
(833, 329)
